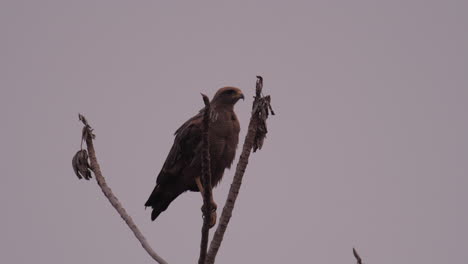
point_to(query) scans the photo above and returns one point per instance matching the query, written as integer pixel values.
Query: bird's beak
(241, 96)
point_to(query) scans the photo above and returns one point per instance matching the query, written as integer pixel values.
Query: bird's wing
(186, 146)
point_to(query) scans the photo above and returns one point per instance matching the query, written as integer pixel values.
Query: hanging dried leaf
(81, 166)
(262, 108)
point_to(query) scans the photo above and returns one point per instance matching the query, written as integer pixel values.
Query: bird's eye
(230, 92)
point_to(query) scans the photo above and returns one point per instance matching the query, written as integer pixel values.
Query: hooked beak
(241, 96)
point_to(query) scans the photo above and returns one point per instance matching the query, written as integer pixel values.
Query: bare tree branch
(256, 134)
(88, 136)
(356, 255)
(206, 177)
(254, 139)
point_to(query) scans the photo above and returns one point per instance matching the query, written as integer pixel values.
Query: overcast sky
(368, 148)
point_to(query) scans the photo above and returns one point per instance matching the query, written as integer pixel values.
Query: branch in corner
(82, 169)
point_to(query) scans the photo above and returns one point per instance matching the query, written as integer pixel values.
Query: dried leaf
(81, 166)
(262, 110)
(75, 166)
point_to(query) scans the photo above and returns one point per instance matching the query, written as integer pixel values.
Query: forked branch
(256, 133)
(253, 140)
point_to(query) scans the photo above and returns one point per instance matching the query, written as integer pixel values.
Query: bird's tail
(159, 200)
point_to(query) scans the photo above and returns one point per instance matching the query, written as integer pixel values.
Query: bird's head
(228, 95)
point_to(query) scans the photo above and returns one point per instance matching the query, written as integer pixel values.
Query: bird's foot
(213, 217)
(213, 214)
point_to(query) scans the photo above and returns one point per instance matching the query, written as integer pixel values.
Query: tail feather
(160, 199)
(153, 197)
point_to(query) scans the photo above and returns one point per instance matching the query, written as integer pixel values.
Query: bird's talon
(213, 217)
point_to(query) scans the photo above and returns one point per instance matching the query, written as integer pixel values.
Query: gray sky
(369, 147)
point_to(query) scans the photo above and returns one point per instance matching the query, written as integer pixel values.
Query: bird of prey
(182, 169)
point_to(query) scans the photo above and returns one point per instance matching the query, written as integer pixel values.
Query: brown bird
(181, 171)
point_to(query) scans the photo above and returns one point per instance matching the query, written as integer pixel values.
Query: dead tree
(253, 141)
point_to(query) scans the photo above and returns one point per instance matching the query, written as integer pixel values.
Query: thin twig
(356, 255)
(206, 177)
(254, 138)
(88, 136)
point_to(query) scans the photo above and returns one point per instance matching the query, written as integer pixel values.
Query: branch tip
(206, 182)
(356, 255)
(259, 86)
